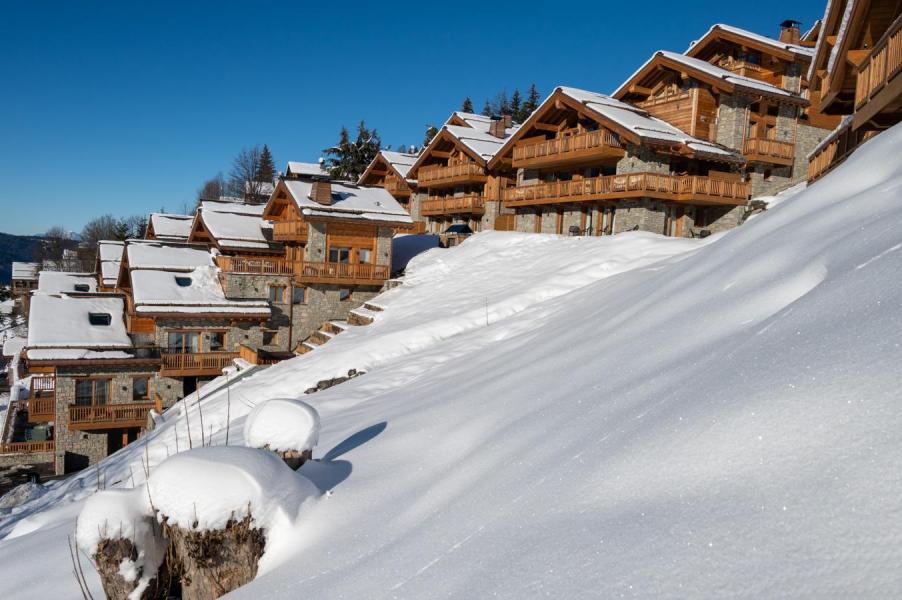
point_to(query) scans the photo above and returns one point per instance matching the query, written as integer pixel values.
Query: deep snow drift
(573, 417)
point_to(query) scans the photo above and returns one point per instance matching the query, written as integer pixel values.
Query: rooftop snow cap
(790, 32)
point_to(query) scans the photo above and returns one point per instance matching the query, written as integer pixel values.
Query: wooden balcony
(27, 447)
(878, 87)
(769, 151)
(571, 149)
(342, 273)
(109, 416)
(289, 231)
(397, 188)
(436, 176)
(41, 409)
(256, 265)
(693, 189)
(187, 364)
(840, 144)
(471, 204)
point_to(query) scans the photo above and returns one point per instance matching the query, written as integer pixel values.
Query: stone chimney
(790, 32)
(497, 126)
(321, 191)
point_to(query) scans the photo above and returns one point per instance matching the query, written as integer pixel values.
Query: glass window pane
(299, 295)
(83, 391)
(365, 255)
(217, 341)
(101, 391)
(192, 342)
(175, 343)
(140, 388)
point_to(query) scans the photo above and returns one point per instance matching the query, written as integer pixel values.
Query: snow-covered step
(335, 327)
(319, 338)
(305, 347)
(361, 316)
(372, 307)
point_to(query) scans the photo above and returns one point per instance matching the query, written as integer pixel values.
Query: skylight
(183, 281)
(82, 287)
(100, 318)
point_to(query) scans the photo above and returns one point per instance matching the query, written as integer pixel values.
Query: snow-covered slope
(573, 417)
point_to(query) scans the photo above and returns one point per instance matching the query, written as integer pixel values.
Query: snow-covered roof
(737, 81)
(54, 282)
(801, 51)
(26, 271)
(171, 227)
(401, 161)
(304, 169)
(641, 124)
(13, 345)
(195, 291)
(237, 230)
(371, 203)
(63, 321)
(110, 255)
(233, 206)
(480, 122)
(481, 142)
(143, 254)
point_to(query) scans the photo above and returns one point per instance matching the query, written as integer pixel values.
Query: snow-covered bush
(286, 426)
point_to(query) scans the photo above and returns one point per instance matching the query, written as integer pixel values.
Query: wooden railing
(289, 231)
(195, 363)
(456, 173)
(471, 203)
(663, 186)
(42, 385)
(27, 447)
(882, 64)
(562, 147)
(844, 141)
(109, 415)
(396, 187)
(763, 148)
(328, 272)
(260, 265)
(41, 408)
(659, 100)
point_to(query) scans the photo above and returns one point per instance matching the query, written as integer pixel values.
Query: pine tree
(504, 107)
(338, 157)
(487, 109)
(121, 230)
(467, 105)
(347, 160)
(531, 104)
(516, 107)
(266, 171)
(431, 132)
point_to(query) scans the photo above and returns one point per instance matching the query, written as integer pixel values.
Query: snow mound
(21, 493)
(205, 488)
(282, 424)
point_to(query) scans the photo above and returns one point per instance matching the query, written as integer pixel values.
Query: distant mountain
(14, 248)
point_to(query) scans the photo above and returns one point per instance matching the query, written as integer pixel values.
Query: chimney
(790, 32)
(496, 127)
(321, 191)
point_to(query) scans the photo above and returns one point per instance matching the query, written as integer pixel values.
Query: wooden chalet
(337, 239)
(748, 97)
(589, 164)
(453, 178)
(91, 388)
(390, 169)
(856, 73)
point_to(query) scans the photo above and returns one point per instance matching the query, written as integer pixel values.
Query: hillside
(14, 248)
(571, 417)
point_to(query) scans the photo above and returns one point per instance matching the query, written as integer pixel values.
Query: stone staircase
(364, 315)
(359, 317)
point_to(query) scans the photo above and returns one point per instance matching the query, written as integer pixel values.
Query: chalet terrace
(679, 148)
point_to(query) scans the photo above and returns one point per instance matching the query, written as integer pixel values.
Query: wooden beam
(545, 126)
(439, 154)
(638, 89)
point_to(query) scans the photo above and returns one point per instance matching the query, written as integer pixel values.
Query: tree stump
(109, 557)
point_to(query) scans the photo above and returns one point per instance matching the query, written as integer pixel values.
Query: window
(344, 294)
(217, 341)
(339, 255)
(82, 287)
(364, 255)
(277, 294)
(92, 391)
(100, 318)
(141, 389)
(299, 295)
(183, 281)
(270, 337)
(183, 341)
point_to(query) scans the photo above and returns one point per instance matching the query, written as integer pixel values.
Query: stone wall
(383, 245)
(807, 139)
(525, 221)
(641, 159)
(324, 304)
(732, 121)
(315, 251)
(647, 215)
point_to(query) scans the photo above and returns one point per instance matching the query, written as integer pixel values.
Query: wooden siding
(290, 231)
(679, 188)
(693, 111)
(342, 273)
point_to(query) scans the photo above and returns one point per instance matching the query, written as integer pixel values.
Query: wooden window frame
(148, 395)
(303, 289)
(225, 339)
(94, 380)
(198, 332)
(282, 294)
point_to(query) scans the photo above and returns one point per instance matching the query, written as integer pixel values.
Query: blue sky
(124, 108)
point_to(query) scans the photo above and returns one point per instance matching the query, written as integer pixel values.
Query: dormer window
(102, 319)
(81, 287)
(183, 281)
